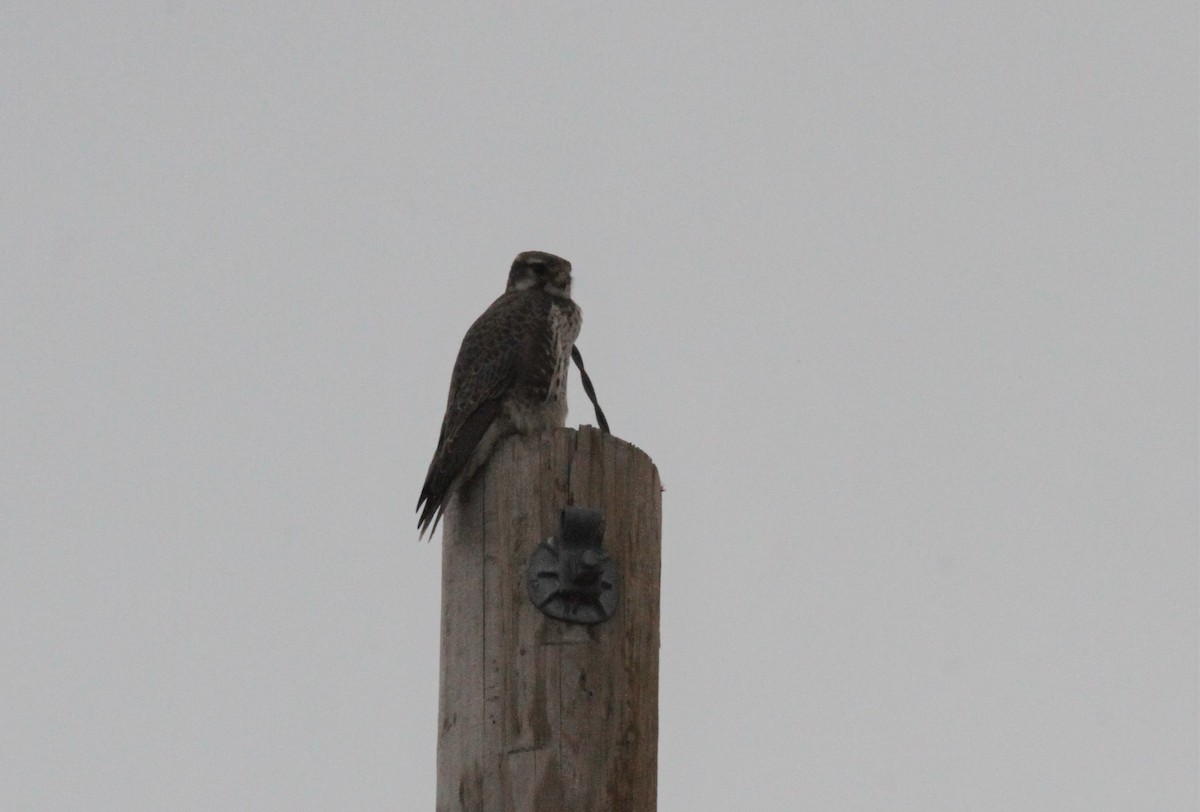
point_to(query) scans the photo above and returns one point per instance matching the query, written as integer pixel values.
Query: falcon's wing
(489, 363)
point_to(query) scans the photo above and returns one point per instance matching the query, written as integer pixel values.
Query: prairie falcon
(510, 376)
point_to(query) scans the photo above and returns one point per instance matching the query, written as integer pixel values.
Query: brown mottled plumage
(510, 376)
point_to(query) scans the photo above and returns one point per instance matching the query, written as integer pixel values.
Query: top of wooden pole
(536, 713)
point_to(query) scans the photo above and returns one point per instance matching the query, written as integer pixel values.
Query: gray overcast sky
(900, 297)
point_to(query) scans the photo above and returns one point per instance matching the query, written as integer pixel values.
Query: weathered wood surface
(537, 715)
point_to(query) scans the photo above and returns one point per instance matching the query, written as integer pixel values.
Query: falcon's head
(537, 270)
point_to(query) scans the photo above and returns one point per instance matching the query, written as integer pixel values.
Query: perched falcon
(510, 376)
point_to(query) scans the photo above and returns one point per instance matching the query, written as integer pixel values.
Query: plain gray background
(900, 297)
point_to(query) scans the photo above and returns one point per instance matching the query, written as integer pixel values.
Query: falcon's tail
(432, 510)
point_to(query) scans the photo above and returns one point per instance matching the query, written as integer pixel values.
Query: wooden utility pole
(538, 714)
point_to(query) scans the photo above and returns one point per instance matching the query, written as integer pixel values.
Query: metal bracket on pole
(571, 577)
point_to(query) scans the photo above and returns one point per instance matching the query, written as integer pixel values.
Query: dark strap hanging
(591, 392)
